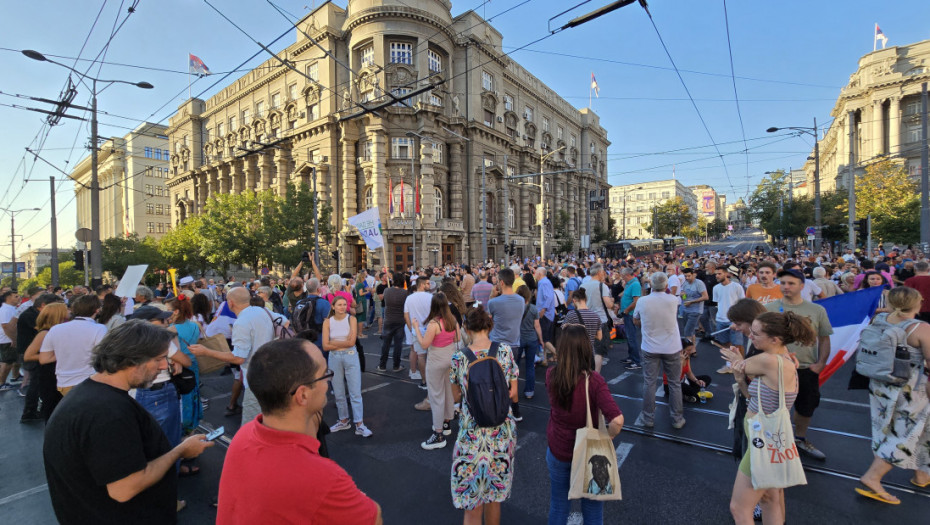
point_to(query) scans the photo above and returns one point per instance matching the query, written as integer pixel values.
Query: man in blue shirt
(507, 312)
(545, 303)
(571, 284)
(632, 291)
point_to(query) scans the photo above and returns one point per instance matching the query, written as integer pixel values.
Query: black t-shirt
(98, 435)
(26, 329)
(710, 280)
(379, 290)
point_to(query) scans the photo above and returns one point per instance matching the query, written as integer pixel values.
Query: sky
(790, 60)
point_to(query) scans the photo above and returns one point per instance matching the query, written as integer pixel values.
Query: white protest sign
(130, 281)
(369, 227)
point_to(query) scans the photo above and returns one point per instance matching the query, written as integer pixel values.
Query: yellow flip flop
(882, 496)
(923, 486)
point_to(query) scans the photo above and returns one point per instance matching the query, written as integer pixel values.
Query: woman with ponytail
(188, 331)
(770, 333)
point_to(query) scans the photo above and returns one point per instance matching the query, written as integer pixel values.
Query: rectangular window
(292, 92)
(165, 154)
(401, 53)
(159, 209)
(573, 141)
(592, 147)
(150, 227)
(365, 150)
(487, 81)
(260, 109)
(276, 101)
(313, 155)
(437, 152)
(148, 152)
(639, 197)
(666, 194)
(219, 130)
(528, 113)
(912, 133)
(489, 118)
(488, 160)
(511, 171)
(652, 196)
(148, 171)
(314, 112)
(367, 56)
(508, 103)
(232, 124)
(435, 100)
(545, 124)
(400, 148)
(275, 132)
(150, 209)
(559, 132)
(148, 189)
(161, 227)
(313, 71)
(400, 93)
(246, 115)
(157, 154)
(435, 61)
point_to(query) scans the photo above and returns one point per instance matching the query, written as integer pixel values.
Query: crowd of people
(83, 357)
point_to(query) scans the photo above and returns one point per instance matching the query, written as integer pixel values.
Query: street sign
(810, 231)
(7, 267)
(729, 227)
(83, 234)
(810, 237)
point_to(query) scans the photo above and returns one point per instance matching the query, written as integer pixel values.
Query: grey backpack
(883, 352)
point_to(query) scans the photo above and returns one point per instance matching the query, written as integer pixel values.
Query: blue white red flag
(197, 66)
(849, 313)
(390, 196)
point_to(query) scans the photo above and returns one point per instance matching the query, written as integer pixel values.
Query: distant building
(631, 205)
(35, 260)
(883, 96)
(738, 215)
(132, 172)
(711, 205)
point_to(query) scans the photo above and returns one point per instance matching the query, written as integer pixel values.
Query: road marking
(24, 494)
(623, 452)
(375, 387)
(660, 392)
(619, 378)
(522, 441)
(847, 403)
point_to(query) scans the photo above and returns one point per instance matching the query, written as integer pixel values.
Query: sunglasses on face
(325, 377)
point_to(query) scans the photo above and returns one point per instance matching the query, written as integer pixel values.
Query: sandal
(191, 471)
(921, 485)
(882, 496)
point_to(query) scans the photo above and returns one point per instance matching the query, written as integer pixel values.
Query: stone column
(251, 171)
(894, 126)
(523, 215)
(202, 191)
(456, 181)
(379, 177)
(225, 178)
(349, 191)
(267, 169)
(236, 177)
(877, 136)
(282, 159)
(213, 182)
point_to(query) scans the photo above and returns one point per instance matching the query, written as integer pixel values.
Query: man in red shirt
(273, 458)
(921, 282)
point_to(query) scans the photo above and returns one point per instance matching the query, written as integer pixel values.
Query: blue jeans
(529, 369)
(730, 336)
(632, 339)
(348, 371)
(165, 407)
(560, 473)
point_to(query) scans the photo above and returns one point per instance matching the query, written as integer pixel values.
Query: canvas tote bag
(773, 456)
(214, 342)
(594, 460)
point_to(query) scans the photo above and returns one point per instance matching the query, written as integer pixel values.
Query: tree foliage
(601, 234)
(120, 252)
(182, 247)
(670, 218)
(67, 277)
(294, 219)
(887, 193)
(564, 239)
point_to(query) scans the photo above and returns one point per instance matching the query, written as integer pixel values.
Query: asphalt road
(739, 242)
(667, 476)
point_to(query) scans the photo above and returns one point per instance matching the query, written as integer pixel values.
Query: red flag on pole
(402, 196)
(416, 197)
(390, 196)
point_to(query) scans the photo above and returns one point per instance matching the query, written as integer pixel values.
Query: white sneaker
(575, 519)
(362, 430)
(340, 425)
(416, 376)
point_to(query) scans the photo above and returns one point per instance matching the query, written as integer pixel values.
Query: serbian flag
(390, 196)
(416, 197)
(594, 86)
(402, 199)
(879, 36)
(196, 66)
(849, 313)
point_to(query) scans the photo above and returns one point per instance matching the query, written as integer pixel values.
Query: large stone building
(631, 205)
(132, 172)
(483, 117)
(884, 98)
(737, 215)
(710, 204)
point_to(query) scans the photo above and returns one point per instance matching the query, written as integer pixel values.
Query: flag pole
(875, 38)
(188, 77)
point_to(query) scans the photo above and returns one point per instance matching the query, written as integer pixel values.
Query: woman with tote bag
(771, 462)
(577, 394)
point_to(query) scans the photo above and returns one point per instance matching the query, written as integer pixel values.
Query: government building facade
(883, 97)
(385, 97)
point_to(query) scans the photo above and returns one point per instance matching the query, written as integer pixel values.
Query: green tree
(181, 247)
(564, 239)
(294, 219)
(670, 217)
(120, 252)
(609, 234)
(241, 229)
(890, 196)
(67, 277)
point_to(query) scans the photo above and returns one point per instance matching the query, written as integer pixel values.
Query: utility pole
(818, 227)
(96, 264)
(924, 175)
(484, 212)
(542, 209)
(54, 232)
(13, 247)
(851, 178)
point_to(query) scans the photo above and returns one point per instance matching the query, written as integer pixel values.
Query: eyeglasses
(325, 377)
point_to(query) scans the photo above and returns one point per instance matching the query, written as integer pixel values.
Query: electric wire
(739, 113)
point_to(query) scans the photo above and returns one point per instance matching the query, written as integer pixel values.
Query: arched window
(369, 199)
(511, 215)
(408, 203)
(438, 203)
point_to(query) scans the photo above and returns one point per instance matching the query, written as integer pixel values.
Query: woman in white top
(340, 331)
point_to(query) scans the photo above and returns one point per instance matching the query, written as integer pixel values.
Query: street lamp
(542, 202)
(13, 237)
(624, 234)
(818, 233)
(96, 263)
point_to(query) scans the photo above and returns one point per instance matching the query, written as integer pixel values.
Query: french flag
(849, 313)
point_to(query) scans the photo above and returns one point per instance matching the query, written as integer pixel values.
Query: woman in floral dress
(901, 413)
(482, 459)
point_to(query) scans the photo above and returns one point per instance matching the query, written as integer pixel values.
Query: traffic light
(862, 230)
(78, 260)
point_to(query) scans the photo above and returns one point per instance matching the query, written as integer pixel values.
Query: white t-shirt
(252, 329)
(7, 314)
(810, 290)
(129, 307)
(675, 281)
(726, 296)
(22, 308)
(72, 343)
(417, 305)
(658, 313)
(165, 375)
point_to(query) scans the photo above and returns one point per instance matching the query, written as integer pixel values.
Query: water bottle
(702, 395)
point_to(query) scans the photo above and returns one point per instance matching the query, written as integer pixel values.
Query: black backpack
(488, 392)
(304, 315)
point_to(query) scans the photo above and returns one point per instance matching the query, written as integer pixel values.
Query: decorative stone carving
(455, 105)
(489, 101)
(346, 99)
